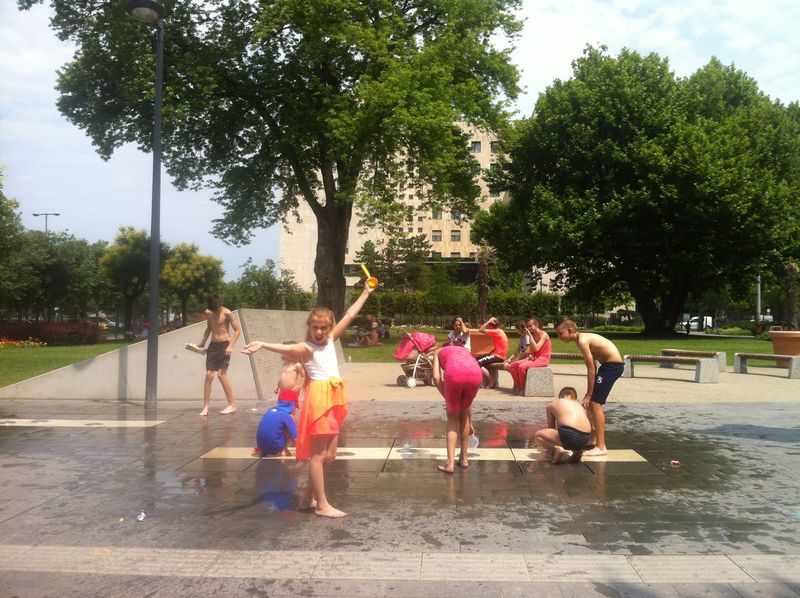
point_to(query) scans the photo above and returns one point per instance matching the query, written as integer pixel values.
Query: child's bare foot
(463, 463)
(204, 412)
(307, 503)
(330, 512)
(596, 452)
(445, 469)
(558, 454)
(576, 457)
(229, 409)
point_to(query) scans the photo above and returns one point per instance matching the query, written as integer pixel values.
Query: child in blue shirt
(277, 427)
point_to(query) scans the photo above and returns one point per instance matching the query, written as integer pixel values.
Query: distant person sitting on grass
(568, 427)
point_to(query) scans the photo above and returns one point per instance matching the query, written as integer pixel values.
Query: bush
(618, 328)
(54, 333)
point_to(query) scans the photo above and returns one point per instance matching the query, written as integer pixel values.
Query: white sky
(49, 165)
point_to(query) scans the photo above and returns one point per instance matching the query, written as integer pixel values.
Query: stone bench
(720, 356)
(539, 383)
(792, 362)
(706, 369)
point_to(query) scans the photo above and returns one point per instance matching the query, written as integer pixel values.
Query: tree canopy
(629, 179)
(331, 102)
(187, 275)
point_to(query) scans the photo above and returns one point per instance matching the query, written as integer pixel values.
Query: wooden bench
(720, 356)
(706, 369)
(790, 361)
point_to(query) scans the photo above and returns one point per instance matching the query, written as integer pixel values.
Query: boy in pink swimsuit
(458, 377)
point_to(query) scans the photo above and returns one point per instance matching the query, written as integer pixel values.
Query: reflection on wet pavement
(736, 490)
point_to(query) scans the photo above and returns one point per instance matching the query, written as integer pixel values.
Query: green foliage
(53, 333)
(189, 275)
(261, 288)
(282, 101)
(629, 180)
(400, 264)
(126, 264)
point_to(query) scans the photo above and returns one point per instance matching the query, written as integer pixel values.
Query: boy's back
(569, 412)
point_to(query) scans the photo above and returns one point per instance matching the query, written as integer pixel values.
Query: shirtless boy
(594, 347)
(218, 353)
(568, 427)
(291, 380)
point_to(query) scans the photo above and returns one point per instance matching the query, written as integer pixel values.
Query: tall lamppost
(46, 214)
(152, 13)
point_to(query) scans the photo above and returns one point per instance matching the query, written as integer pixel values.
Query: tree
(127, 265)
(400, 265)
(12, 272)
(281, 101)
(187, 274)
(629, 179)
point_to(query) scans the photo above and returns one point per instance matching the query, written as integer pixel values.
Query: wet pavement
(723, 522)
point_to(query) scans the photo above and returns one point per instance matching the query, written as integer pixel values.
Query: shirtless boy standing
(218, 353)
(568, 427)
(594, 347)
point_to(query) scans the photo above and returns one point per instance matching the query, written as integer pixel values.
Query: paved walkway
(76, 474)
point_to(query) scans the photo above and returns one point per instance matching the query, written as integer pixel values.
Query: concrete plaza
(725, 522)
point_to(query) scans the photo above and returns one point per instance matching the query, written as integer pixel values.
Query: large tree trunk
(332, 233)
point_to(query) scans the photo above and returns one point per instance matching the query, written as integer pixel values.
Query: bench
(706, 369)
(720, 356)
(539, 383)
(790, 361)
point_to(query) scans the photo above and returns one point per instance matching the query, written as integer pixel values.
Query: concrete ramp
(120, 375)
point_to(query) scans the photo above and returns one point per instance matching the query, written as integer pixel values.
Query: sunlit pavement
(700, 498)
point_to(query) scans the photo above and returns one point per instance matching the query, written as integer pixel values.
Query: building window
(455, 235)
(419, 230)
(410, 218)
(494, 146)
(472, 255)
(476, 147)
(455, 254)
(436, 235)
(494, 194)
(411, 229)
(436, 215)
(436, 255)
(420, 218)
(493, 167)
(456, 214)
(410, 197)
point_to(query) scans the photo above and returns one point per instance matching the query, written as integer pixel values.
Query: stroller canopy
(421, 341)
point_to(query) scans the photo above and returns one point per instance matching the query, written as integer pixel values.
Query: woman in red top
(541, 349)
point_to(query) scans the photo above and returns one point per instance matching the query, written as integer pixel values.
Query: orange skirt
(322, 413)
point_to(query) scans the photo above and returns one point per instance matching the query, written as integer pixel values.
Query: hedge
(54, 333)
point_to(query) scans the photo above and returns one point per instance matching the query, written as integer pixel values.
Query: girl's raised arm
(343, 324)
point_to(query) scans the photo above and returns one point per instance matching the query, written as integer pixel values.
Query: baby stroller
(416, 367)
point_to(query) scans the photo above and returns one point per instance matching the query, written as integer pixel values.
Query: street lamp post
(152, 13)
(46, 214)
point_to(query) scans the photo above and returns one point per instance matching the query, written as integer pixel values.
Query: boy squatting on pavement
(568, 427)
(594, 347)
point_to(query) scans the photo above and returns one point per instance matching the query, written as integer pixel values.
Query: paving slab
(219, 520)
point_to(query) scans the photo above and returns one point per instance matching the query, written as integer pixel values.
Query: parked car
(699, 323)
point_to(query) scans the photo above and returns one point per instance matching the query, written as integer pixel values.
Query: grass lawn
(630, 344)
(19, 363)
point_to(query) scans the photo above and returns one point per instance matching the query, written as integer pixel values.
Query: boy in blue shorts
(594, 347)
(277, 426)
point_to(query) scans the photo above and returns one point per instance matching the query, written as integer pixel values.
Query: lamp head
(145, 11)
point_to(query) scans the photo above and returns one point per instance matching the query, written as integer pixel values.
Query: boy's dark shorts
(572, 439)
(604, 380)
(216, 359)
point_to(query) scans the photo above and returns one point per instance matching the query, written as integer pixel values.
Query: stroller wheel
(411, 382)
(401, 380)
